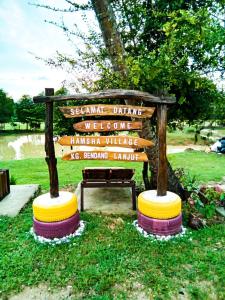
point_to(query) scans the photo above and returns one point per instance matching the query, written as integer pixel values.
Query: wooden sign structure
(109, 125)
(102, 141)
(121, 110)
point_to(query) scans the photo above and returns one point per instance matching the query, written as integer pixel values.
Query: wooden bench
(107, 177)
(4, 183)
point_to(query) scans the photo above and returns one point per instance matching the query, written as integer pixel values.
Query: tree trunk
(113, 42)
(111, 35)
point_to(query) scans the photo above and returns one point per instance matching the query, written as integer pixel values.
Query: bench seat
(107, 177)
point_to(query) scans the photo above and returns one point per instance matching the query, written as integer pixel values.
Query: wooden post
(145, 175)
(162, 161)
(49, 146)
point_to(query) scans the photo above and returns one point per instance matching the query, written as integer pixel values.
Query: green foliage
(188, 181)
(201, 200)
(6, 107)
(30, 113)
(12, 180)
(62, 125)
(170, 48)
(183, 42)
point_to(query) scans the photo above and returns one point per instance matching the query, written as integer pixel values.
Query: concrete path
(181, 148)
(19, 195)
(106, 200)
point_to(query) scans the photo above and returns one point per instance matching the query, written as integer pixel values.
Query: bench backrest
(107, 174)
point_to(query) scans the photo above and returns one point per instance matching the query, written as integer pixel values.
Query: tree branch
(75, 7)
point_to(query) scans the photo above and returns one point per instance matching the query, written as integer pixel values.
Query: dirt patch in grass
(135, 290)
(43, 292)
(202, 290)
(115, 222)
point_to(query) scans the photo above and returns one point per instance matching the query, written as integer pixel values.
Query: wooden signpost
(109, 125)
(107, 110)
(103, 141)
(106, 155)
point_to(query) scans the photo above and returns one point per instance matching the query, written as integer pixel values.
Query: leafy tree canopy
(170, 47)
(6, 107)
(28, 112)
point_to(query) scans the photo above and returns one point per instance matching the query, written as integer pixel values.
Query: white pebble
(57, 241)
(159, 237)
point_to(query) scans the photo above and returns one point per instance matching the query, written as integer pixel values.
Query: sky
(24, 34)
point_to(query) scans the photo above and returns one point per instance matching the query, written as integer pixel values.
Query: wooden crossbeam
(109, 94)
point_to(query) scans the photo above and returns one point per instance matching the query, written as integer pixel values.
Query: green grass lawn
(70, 172)
(205, 166)
(112, 260)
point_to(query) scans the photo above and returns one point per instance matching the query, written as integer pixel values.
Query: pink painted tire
(160, 227)
(59, 229)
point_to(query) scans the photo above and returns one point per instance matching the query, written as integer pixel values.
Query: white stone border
(155, 237)
(58, 241)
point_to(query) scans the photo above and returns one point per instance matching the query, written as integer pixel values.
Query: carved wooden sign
(105, 155)
(109, 125)
(102, 141)
(107, 110)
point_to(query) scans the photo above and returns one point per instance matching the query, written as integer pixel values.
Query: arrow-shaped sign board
(105, 155)
(107, 110)
(104, 141)
(106, 125)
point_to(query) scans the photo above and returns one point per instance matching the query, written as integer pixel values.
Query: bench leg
(82, 197)
(133, 198)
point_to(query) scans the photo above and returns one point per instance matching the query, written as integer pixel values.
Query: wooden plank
(49, 147)
(5, 187)
(103, 141)
(1, 185)
(107, 110)
(109, 94)
(4, 183)
(162, 160)
(8, 180)
(106, 125)
(106, 155)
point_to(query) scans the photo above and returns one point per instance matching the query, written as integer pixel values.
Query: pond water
(32, 145)
(24, 146)
(14, 147)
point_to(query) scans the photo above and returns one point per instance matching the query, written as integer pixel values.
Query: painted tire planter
(47, 209)
(159, 207)
(57, 229)
(160, 227)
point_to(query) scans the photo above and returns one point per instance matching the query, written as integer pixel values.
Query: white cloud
(31, 83)
(22, 32)
(30, 32)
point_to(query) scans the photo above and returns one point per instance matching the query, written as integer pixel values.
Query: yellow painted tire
(159, 207)
(47, 209)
